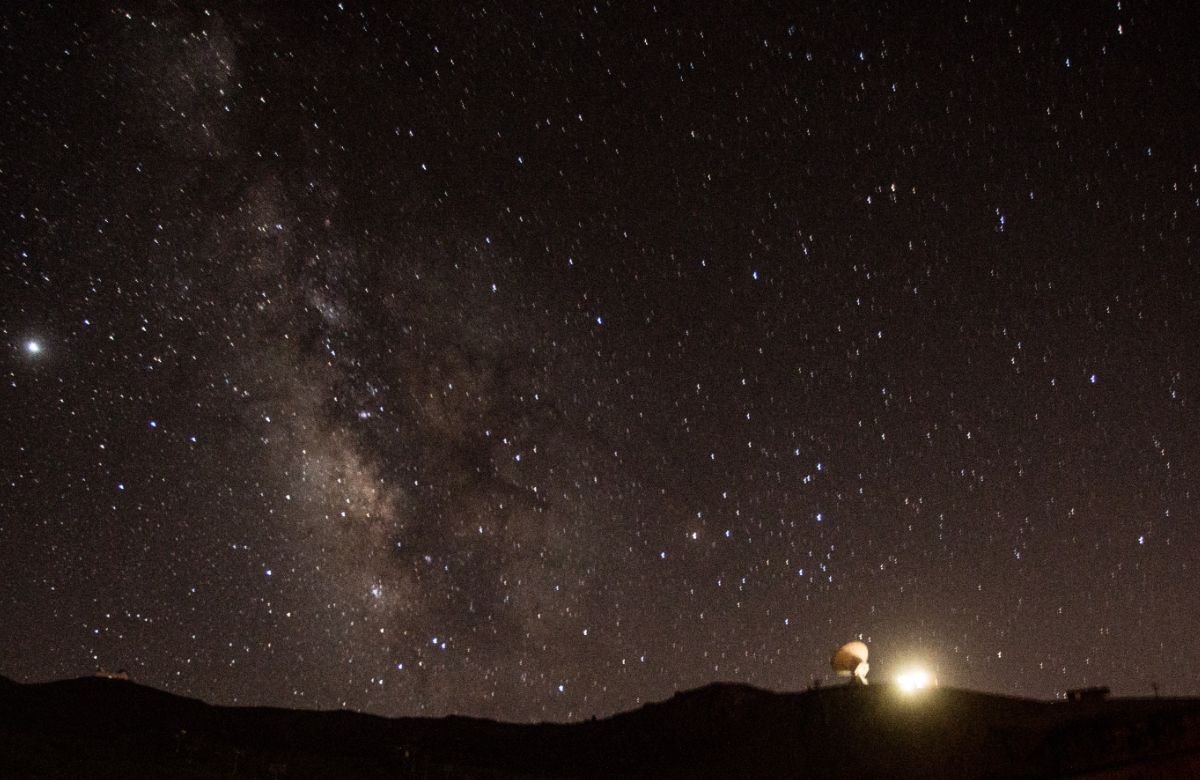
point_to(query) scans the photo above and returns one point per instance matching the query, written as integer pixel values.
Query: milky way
(538, 364)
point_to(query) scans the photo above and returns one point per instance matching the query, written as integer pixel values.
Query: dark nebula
(538, 363)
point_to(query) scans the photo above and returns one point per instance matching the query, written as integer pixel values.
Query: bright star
(33, 347)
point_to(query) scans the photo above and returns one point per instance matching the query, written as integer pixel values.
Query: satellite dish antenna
(850, 660)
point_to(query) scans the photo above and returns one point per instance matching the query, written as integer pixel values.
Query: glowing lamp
(915, 680)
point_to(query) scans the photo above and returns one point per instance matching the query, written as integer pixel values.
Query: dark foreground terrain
(95, 727)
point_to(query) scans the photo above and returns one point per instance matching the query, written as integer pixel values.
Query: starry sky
(535, 364)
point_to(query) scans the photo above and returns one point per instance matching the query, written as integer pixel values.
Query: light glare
(914, 680)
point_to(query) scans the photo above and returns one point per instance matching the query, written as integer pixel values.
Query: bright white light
(33, 347)
(915, 680)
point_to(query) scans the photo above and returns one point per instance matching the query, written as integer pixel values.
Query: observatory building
(850, 660)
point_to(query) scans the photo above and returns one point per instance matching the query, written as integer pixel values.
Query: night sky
(538, 364)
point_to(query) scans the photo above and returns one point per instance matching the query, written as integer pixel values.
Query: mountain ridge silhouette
(97, 727)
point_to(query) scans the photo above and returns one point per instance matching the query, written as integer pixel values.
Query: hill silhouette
(95, 727)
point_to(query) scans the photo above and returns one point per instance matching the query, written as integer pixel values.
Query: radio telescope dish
(850, 660)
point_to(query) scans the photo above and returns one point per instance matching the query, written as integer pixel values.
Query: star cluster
(534, 364)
